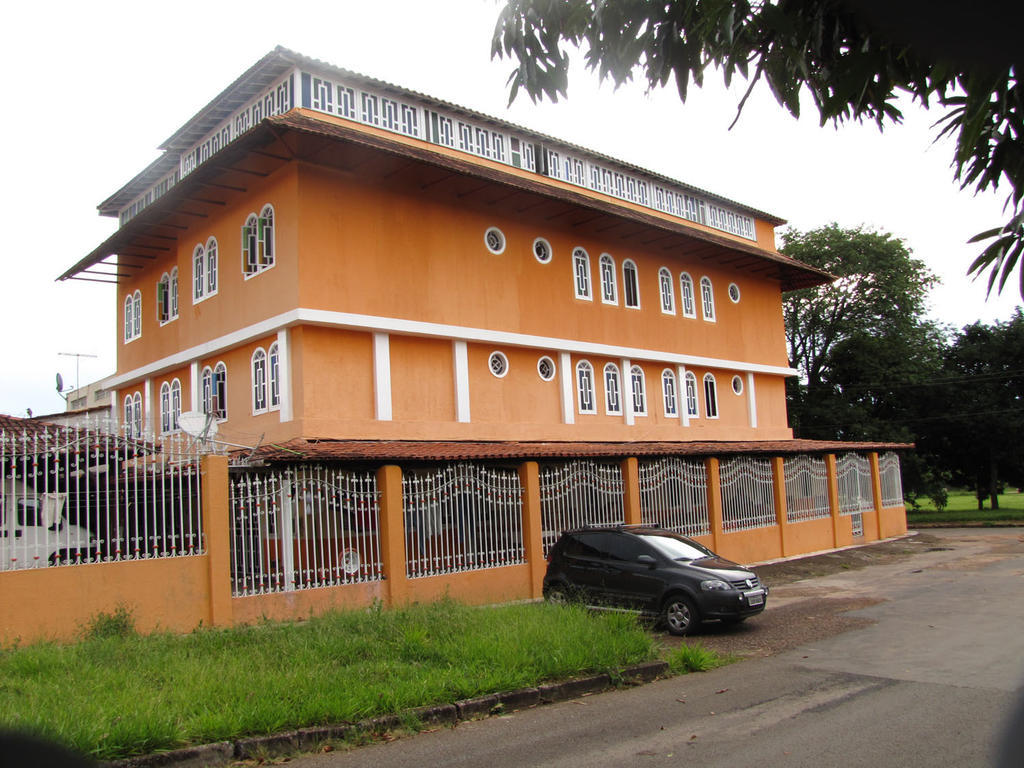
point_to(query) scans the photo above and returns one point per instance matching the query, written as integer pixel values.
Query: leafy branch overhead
(852, 58)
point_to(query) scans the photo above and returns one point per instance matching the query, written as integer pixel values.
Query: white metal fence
(892, 484)
(674, 495)
(806, 480)
(748, 500)
(853, 477)
(462, 517)
(303, 527)
(576, 494)
(72, 495)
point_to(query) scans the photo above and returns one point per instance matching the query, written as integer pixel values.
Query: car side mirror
(647, 560)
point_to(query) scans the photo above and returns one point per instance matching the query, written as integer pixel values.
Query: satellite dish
(197, 424)
(60, 383)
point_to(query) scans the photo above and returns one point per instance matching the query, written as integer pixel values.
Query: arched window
(612, 390)
(137, 314)
(668, 294)
(129, 324)
(259, 381)
(174, 293)
(585, 387)
(211, 266)
(274, 371)
(692, 406)
(636, 377)
(175, 403)
(707, 299)
(198, 273)
(220, 391)
(206, 390)
(609, 289)
(710, 396)
(581, 273)
(686, 295)
(668, 393)
(630, 285)
(129, 416)
(165, 408)
(167, 297)
(258, 242)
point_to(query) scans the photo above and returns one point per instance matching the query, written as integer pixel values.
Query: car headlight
(712, 584)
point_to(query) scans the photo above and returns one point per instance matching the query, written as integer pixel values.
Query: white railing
(576, 494)
(463, 517)
(303, 527)
(748, 499)
(889, 475)
(674, 495)
(853, 477)
(806, 480)
(72, 495)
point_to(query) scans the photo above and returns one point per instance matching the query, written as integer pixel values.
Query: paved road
(930, 682)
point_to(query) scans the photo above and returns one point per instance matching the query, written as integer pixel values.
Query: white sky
(93, 88)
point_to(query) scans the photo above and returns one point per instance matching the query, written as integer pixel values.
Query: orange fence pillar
(392, 533)
(714, 502)
(216, 506)
(876, 492)
(631, 512)
(833, 495)
(779, 492)
(533, 527)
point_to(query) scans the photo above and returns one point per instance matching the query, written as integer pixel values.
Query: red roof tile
(311, 449)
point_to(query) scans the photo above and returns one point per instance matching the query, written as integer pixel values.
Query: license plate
(755, 598)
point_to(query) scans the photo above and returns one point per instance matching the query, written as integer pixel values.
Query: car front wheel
(556, 594)
(680, 615)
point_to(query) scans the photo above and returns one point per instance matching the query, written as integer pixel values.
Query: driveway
(914, 660)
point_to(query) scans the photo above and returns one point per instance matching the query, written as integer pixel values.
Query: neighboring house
(317, 254)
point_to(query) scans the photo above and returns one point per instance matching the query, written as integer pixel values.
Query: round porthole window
(542, 250)
(737, 385)
(734, 293)
(498, 364)
(546, 368)
(494, 239)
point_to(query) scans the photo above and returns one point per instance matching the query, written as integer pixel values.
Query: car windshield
(677, 549)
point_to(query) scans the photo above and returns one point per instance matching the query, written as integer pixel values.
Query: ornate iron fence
(806, 479)
(674, 495)
(889, 474)
(71, 495)
(576, 494)
(462, 517)
(303, 527)
(748, 500)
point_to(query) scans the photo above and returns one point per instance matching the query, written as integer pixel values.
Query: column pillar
(714, 502)
(533, 527)
(781, 510)
(632, 514)
(833, 495)
(392, 534)
(876, 492)
(216, 505)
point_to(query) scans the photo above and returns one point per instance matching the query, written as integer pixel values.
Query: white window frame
(212, 267)
(707, 299)
(499, 236)
(609, 285)
(734, 289)
(206, 391)
(630, 278)
(165, 408)
(133, 316)
(274, 377)
(551, 365)
(258, 242)
(692, 400)
(502, 360)
(612, 390)
(219, 394)
(585, 387)
(581, 274)
(638, 388)
(710, 396)
(687, 298)
(669, 393)
(737, 385)
(542, 246)
(260, 379)
(198, 273)
(667, 290)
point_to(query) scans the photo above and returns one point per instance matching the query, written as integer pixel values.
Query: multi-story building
(320, 254)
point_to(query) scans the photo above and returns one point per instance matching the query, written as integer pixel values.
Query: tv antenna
(78, 362)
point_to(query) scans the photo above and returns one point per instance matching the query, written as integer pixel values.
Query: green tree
(865, 352)
(852, 58)
(979, 436)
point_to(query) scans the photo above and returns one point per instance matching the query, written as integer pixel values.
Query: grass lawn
(963, 508)
(117, 694)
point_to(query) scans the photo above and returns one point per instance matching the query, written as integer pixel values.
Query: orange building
(319, 254)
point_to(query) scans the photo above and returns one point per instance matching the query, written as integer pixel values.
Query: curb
(307, 739)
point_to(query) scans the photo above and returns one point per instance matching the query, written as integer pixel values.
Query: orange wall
(56, 603)
(809, 535)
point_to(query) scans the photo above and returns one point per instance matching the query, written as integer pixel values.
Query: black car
(655, 571)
